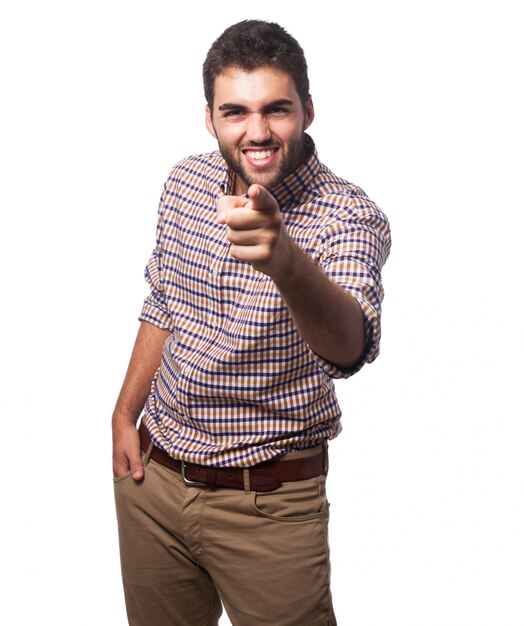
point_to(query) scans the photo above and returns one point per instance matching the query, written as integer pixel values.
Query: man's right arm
(145, 360)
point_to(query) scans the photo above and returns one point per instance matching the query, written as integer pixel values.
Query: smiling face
(259, 122)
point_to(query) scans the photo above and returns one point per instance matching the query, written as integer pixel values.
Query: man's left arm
(326, 315)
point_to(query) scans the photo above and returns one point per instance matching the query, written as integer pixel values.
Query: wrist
(293, 264)
(123, 420)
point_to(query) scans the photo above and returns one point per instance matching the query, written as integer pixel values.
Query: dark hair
(251, 44)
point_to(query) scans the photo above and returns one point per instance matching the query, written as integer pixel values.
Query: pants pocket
(292, 502)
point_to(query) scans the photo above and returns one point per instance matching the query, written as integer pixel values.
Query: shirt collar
(289, 191)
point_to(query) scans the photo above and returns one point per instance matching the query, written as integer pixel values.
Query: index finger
(261, 199)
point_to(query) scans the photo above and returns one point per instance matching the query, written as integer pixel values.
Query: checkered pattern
(237, 385)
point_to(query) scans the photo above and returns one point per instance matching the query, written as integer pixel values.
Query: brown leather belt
(266, 476)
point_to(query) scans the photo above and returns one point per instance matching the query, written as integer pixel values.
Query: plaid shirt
(237, 384)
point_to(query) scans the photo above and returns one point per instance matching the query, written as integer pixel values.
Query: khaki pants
(186, 550)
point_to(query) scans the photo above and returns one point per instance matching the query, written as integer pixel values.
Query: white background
(420, 104)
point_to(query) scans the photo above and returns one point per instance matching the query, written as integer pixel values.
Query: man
(265, 285)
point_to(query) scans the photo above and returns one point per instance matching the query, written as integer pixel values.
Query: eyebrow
(228, 106)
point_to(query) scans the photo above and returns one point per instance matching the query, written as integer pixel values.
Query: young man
(265, 285)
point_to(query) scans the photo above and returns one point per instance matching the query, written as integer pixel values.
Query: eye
(278, 110)
(233, 113)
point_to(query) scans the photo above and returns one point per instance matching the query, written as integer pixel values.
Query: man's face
(259, 122)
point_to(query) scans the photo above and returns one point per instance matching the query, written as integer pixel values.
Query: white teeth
(265, 154)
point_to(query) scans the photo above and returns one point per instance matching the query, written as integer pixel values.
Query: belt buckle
(188, 481)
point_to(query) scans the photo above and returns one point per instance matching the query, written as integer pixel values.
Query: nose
(258, 128)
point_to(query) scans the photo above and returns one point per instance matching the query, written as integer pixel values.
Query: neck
(240, 187)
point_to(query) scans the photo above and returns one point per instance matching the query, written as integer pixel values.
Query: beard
(293, 157)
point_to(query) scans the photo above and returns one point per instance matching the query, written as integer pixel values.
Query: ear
(209, 122)
(310, 113)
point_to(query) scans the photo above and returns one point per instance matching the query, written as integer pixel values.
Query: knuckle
(270, 238)
(265, 252)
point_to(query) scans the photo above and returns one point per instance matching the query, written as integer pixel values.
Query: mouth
(260, 157)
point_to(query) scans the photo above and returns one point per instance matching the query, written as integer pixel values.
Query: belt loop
(326, 457)
(247, 482)
(145, 440)
(147, 454)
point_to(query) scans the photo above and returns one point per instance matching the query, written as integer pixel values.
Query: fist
(255, 229)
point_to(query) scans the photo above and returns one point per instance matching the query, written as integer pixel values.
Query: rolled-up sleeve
(155, 309)
(352, 252)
